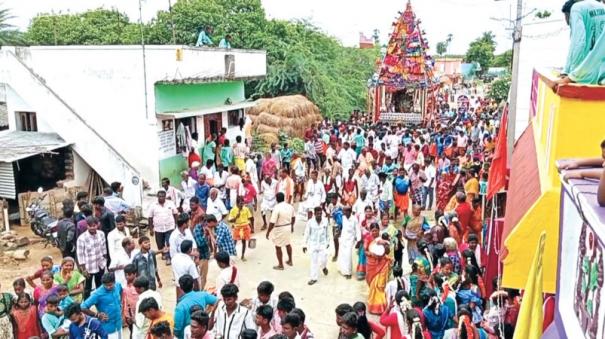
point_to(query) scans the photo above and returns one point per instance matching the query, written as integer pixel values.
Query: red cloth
(193, 157)
(250, 193)
(389, 321)
(465, 213)
(492, 246)
(497, 171)
(379, 331)
(549, 310)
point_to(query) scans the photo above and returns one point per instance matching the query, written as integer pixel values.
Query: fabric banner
(497, 172)
(531, 315)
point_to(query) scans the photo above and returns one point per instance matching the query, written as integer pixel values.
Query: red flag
(497, 171)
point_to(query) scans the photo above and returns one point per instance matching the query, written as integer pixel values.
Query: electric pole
(512, 108)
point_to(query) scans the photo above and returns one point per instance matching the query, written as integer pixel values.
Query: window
(234, 116)
(27, 121)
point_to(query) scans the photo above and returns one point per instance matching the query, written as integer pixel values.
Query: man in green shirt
(203, 38)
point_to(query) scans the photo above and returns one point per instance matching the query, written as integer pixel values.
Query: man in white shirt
(180, 234)
(188, 187)
(315, 195)
(229, 274)
(220, 179)
(317, 240)
(230, 318)
(428, 187)
(268, 190)
(349, 236)
(347, 157)
(216, 206)
(115, 237)
(172, 193)
(141, 325)
(182, 263)
(462, 140)
(162, 215)
(122, 258)
(361, 203)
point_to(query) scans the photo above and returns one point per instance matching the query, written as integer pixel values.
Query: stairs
(99, 154)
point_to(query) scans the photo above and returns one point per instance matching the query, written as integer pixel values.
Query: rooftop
(17, 145)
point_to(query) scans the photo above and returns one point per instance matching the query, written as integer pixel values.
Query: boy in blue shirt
(108, 301)
(64, 298)
(52, 320)
(83, 326)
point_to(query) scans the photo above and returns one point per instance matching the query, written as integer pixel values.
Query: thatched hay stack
(291, 114)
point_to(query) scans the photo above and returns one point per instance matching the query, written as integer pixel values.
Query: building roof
(524, 183)
(17, 145)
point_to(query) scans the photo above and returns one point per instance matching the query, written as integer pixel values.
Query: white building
(119, 107)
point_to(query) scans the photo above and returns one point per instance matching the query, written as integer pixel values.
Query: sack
(337, 216)
(402, 185)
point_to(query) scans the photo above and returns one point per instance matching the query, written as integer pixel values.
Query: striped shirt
(91, 251)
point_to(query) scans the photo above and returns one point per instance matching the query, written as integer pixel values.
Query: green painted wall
(181, 97)
(172, 167)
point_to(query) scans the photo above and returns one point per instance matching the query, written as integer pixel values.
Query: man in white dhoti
(315, 195)
(349, 236)
(347, 157)
(268, 189)
(282, 217)
(317, 241)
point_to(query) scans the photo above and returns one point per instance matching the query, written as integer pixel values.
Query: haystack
(291, 114)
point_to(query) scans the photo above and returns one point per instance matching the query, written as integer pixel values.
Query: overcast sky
(344, 19)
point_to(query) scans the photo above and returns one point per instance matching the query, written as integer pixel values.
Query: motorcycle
(41, 222)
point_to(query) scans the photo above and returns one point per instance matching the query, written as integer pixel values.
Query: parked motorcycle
(41, 222)
(135, 221)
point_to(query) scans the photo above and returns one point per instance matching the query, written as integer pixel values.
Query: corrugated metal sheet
(16, 145)
(524, 183)
(7, 181)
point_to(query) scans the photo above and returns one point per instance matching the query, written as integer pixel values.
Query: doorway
(212, 124)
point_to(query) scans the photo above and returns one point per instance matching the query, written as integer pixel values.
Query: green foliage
(482, 51)
(258, 144)
(95, 27)
(8, 34)
(441, 48)
(300, 58)
(499, 89)
(297, 145)
(543, 14)
(504, 60)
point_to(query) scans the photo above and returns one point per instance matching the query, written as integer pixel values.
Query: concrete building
(121, 108)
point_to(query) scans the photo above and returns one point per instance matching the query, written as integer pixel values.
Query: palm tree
(8, 34)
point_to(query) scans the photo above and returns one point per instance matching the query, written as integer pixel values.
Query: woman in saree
(444, 189)
(349, 189)
(366, 220)
(72, 278)
(378, 269)
(43, 291)
(413, 231)
(6, 325)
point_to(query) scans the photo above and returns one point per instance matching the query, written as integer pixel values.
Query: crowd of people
(398, 207)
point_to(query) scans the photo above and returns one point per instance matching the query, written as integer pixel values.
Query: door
(212, 124)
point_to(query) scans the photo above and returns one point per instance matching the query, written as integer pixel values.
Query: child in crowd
(46, 264)
(64, 298)
(129, 296)
(26, 317)
(53, 320)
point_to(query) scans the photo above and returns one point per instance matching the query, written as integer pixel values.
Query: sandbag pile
(292, 114)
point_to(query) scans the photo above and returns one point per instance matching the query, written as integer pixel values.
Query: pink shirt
(267, 335)
(409, 156)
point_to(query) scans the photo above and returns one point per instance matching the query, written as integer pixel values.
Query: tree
(504, 60)
(441, 48)
(499, 89)
(95, 27)
(300, 58)
(481, 50)
(8, 34)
